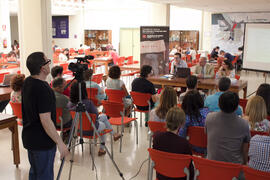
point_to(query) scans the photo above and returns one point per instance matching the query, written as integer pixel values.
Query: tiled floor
(128, 161)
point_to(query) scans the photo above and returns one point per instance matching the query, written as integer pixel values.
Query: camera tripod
(80, 108)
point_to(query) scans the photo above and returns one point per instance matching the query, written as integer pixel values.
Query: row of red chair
(176, 165)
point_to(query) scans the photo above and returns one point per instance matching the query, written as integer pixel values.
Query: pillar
(35, 29)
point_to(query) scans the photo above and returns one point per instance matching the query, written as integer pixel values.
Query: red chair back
(215, 169)
(97, 78)
(235, 60)
(188, 57)
(65, 66)
(170, 164)
(157, 126)
(243, 104)
(113, 109)
(59, 112)
(237, 77)
(140, 99)
(86, 125)
(197, 136)
(120, 61)
(130, 60)
(115, 95)
(71, 51)
(198, 56)
(252, 174)
(17, 109)
(80, 51)
(92, 95)
(253, 133)
(209, 56)
(2, 75)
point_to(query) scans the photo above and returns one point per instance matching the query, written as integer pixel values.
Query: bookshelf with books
(97, 38)
(184, 39)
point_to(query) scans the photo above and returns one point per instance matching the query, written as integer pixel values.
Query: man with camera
(39, 118)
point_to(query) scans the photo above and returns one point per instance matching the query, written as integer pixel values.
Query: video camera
(79, 67)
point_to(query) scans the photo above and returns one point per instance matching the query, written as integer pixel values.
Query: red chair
(235, 60)
(71, 51)
(237, 77)
(2, 75)
(155, 127)
(92, 95)
(198, 57)
(59, 120)
(121, 61)
(261, 133)
(17, 111)
(65, 66)
(197, 137)
(87, 126)
(97, 78)
(169, 164)
(129, 60)
(243, 104)
(117, 116)
(115, 95)
(188, 57)
(141, 99)
(80, 51)
(205, 168)
(253, 174)
(209, 56)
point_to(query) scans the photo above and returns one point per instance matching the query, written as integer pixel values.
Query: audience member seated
(11, 57)
(177, 63)
(57, 71)
(16, 84)
(174, 50)
(91, 84)
(204, 70)
(191, 83)
(101, 120)
(211, 102)
(64, 56)
(143, 85)
(214, 53)
(259, 153)
(226, 56)
(169, 141)
(58, 86)
(195, 114)
(256, 114)
(228, 135)
(114, 82)
(168, 99)
(226, 70)
(264, 92)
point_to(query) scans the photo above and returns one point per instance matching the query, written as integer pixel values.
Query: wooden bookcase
(97, 38)
(184, 39)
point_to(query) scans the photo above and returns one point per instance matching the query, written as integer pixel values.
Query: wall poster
(60, 27)
(155, 48)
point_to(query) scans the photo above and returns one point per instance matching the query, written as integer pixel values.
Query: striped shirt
(259, 153)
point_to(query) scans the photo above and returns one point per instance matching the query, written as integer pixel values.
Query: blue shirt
(211, 102)
(194, 122)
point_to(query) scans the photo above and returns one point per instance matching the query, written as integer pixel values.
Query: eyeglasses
(48, 61)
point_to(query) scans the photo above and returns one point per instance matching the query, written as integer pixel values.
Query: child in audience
(168, 99)
(256, 114)
(169, 141)
(16, 84)
(193, 107)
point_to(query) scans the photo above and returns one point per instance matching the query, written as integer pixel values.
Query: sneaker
(101, 152)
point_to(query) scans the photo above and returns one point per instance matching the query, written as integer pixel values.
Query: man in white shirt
(204, 70)
(177, 63)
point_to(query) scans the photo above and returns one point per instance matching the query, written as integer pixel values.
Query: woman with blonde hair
(168, 99)
(256, 114)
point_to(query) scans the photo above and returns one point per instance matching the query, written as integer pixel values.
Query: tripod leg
(72, 158)
(111, 144)
(136, 126)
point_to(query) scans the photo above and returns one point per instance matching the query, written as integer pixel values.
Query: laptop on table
(182, 72)
(6, 81)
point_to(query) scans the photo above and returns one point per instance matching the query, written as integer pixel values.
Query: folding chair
(17, 111)
(243, 104)
(253, 174)
(261, 133)
(92, 95)
(197, 137)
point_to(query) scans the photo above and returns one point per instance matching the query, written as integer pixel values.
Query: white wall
(4, 22)
(75, 28)
(206, 31)
(14, 28)
(113, 15)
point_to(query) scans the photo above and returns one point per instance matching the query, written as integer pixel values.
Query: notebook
(6, 81)
(182, 72)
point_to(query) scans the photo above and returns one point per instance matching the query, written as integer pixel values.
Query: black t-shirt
(142, 85)
(37, 97)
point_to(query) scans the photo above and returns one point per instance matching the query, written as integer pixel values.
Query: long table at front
(202, 83)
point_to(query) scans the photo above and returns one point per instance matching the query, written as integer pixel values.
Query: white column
(5, 37)
(168, 14)
(35, 29)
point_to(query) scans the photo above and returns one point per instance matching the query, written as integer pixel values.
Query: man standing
(178, 63)
(204, 70)
(39, 135)
(228, 135)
